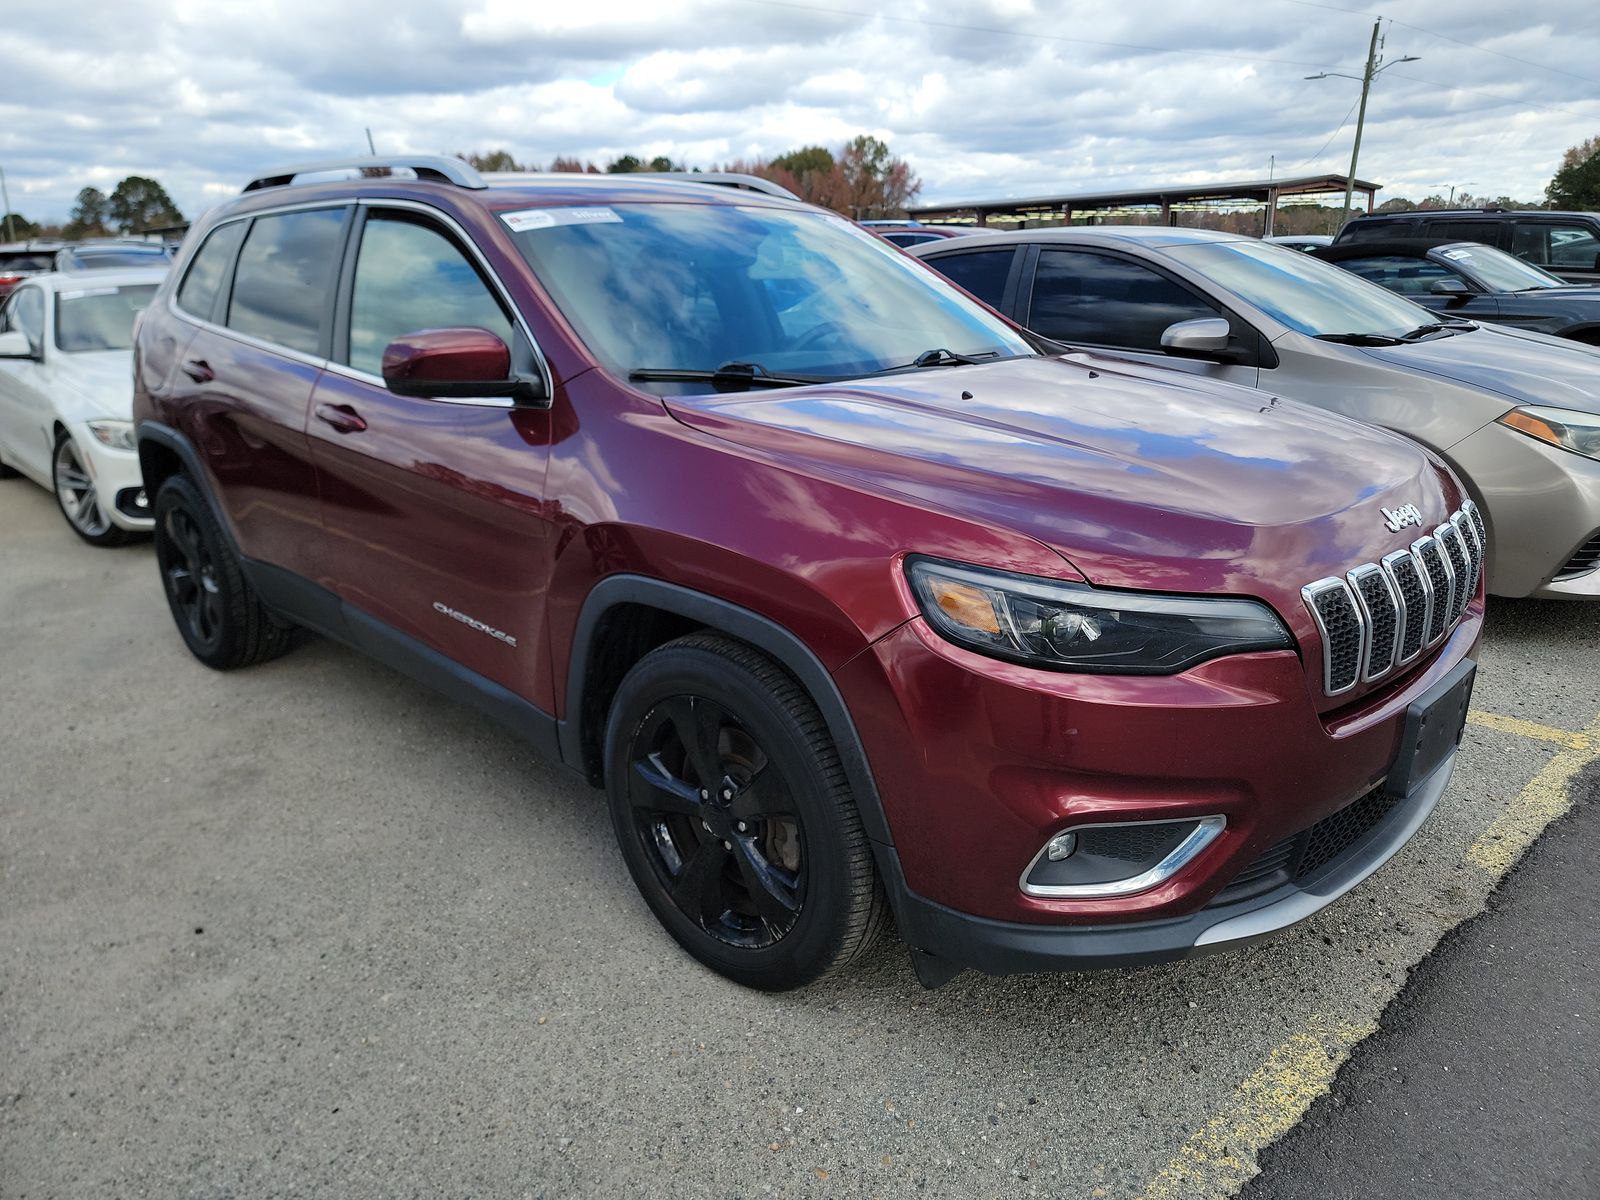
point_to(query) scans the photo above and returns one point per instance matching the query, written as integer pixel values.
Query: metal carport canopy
(1262, 191)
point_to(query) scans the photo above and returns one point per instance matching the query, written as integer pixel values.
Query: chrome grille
(1381, 616)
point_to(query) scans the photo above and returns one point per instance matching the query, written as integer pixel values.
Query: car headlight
(116, 434)
(1074, 627)
(1575, 431)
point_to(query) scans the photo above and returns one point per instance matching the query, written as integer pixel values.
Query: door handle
(342, 417)
(199, 370)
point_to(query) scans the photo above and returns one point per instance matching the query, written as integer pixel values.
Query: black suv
(1564, 243)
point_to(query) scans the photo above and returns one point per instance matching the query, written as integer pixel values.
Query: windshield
(692, 287)
(1303, 293)
(1499, 271)
(99, 318)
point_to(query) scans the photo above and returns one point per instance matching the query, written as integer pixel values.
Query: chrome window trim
(345, 369)
(1310, 593)
(1206, 831)
(1371, 670)
(1388, 565)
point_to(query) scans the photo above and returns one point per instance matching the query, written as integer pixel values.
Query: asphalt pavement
(311, 930)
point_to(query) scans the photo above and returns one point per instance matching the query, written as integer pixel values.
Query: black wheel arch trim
(168, 438)
(765, 634)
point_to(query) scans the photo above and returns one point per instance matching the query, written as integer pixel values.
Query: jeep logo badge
(1398, 518)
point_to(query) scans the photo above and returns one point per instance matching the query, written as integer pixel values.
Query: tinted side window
(411, 277)
(197, 295)
(1080, 296)
(285, 272)
(983, 274)
(1408, 276)
(1374, 231)
(1487, 232)
(1556, 244)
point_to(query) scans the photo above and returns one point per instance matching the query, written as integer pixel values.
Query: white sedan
(66, 396)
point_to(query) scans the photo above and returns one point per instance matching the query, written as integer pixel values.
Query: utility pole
(370, 149)
(1361, 119)
(5, 198)
(1375, 67)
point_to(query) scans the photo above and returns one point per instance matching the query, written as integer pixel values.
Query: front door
(434, 509)
(25, 418)
(1111, 302)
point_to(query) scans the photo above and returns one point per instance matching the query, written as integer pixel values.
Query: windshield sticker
(84, 293)
(1457, 253)
(549, 218)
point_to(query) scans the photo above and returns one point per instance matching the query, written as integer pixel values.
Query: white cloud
(987, 98)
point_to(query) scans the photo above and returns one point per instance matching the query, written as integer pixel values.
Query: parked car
(1564, 243)
(21, 259)
(915, 233)
(1517, 414)
(852, 600)
(66, 398)
(1477, 282)
(1302, 241)
(111, 255)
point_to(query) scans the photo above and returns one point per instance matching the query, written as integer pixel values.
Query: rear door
(435, 510)
(1111, 301)
(260, 291)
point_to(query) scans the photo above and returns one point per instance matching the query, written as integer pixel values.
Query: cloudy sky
(986, 98)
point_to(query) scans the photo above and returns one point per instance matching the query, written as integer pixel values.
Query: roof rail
(749, 183)
(425, 166)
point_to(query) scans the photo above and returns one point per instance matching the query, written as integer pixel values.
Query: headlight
(1575, 431)
(1073, 627)
(116, 434)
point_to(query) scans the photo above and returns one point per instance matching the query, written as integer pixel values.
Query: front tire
(735, 818)
(218, 613)
(79, 498)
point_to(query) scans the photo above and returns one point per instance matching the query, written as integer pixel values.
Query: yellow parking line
(1547, 796)
(1220, 1156)
(1531, 729)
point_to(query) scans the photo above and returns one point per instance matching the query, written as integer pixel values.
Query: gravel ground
(311, 930)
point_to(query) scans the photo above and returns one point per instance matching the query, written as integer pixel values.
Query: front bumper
(1541, 503)
(1003, 948)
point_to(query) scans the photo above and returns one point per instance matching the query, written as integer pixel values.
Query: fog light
(1118, 858)
(1060, 846)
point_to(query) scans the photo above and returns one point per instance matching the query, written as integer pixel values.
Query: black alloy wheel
(734, 815)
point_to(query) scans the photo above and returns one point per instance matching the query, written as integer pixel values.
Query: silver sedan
(1516, 414)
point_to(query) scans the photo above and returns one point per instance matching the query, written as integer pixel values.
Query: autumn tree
(1577, 184)
(139, 203)
(16, 227)
(497, 160)
(90, 213)
(876, 183)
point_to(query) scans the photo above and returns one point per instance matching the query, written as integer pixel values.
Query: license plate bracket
(1435, 722)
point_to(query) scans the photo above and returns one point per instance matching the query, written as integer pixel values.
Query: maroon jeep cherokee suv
(854, 599)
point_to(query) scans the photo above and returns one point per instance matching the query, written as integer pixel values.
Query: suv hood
(1141, 477)
(1524, 367)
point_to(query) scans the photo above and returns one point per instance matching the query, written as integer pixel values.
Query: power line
(1331, 136)
(1502, 98)
(1029, 35)
(1445, 37)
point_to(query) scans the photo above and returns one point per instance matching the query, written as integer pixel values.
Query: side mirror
(461, 365)
(1206, 337)
(15, 344)
(1449, 287)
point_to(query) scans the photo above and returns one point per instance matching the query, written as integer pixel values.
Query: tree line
(135, 205)
(862, 179)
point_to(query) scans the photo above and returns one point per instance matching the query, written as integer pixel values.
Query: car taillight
(10, 281)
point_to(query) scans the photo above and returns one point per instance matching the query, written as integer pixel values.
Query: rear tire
(218, 614)
(735, 818)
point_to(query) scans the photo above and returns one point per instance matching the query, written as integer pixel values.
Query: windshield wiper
(1359, 339)
(1422, 331)
(729, 377)
(938, 357)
